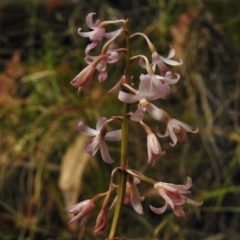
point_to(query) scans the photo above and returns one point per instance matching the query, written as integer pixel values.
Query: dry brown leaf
(73, 165)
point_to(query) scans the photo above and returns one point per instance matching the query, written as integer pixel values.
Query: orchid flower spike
(153, 146)
(100, 136)
(98, 31)
(177, 131)
(174, 196)
(83, 209)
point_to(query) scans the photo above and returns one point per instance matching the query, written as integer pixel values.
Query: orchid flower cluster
(154, 84)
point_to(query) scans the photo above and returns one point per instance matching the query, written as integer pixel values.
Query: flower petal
(172, 52)
(85, 34)
(169, 81)
(100, 123)
(159, 210)
(84, 208)
(171, 62)
(162, 90)
(166, 198)
(155, 112)
(188, 184)
(138, 115)
(135, 199)
(97, 34)
(155, 58)
(105, 153)
(90, 46)
(112, 34)
(89, 21)
(78, 206)
(77, 216)
(92, 145)
(185, 126)
(172, 136)
(102, 76)
(194, 203)
(145, 84)
(178, 211)
(142, 63)
(102, 65)
(113, 57)
(85, 220)
(127, 97)
(113, 136)
(82, 128)
(167, 186)
(162, 135)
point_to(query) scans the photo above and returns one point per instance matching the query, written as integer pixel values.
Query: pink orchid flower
(158, 80)
(83, 79)
(158, 60)
(174, 196)
(153, 148)
(165, 75)
(132, 197)
(100, 136)
(83, 209)
(98, 31)
(177, 131)
(147, 92)
(112, 56)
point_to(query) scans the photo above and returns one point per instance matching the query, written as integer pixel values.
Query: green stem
(124, 144)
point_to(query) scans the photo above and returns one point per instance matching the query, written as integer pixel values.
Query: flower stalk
(124, 142)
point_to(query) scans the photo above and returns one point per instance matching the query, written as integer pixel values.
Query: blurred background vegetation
(43, 167)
